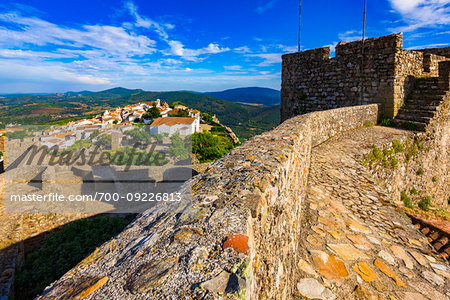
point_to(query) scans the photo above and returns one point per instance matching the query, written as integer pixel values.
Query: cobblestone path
(355, 243)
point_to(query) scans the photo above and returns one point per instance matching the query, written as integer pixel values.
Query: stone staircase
(424, 103)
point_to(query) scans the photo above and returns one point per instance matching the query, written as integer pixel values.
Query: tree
(158, 137)
(115, 122)
(178, 148)
(207, 117)
(206, 146)
(104, 140)
(17, 135)
(94, 134)
(180, 113)
(152, 113)
(176, 103)
(139, 135)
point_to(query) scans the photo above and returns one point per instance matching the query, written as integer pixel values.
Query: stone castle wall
(385, 74)
(437, 51)
(428, 171)
(256, 192)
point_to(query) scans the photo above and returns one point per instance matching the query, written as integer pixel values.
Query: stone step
(420, 126)
(412, 117)
(427, 80)
(422, 103)
(433, 106)
(427, 94)
(427, 87)
(416, 113)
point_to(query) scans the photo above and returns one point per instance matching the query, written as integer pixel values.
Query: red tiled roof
(170, 121)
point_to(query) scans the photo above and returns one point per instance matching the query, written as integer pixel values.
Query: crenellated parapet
(376, 71)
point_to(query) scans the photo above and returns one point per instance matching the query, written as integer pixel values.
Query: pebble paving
(356, 244)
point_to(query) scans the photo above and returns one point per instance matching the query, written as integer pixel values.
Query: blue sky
(57, 46)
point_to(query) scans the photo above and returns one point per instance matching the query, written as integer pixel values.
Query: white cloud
(442, 32)
(263, 8)
(146, 22)
(38, 55)
(110, 39)
(288, 49)
(332, 47)
(233, 68)
(428, 46)
(243, 49)
(350, 35)
(177, 48)
(268, 58)
(28, 54)
(422, 13)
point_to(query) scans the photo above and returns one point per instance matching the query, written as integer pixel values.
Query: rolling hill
(245, 120)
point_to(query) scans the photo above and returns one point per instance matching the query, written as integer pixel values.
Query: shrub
(420, 145)
(405, 199)
(179, 148)
(94, 134)
(377, 152)
(414, 191)
(397, 146)
(104, 140)
(139, 135)
(181, 113)
(419, 172)
(208, 147)
(152, 113)
(388, 151)
(368, 124)
(207, 117)
(434, 179)
(388, 122)
(425, 203)
(177, 103)
(61, 251)
(386, 163)
(394, 162)
(218, 129)
(158, 137)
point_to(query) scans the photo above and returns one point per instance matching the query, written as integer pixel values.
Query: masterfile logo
(106, 169)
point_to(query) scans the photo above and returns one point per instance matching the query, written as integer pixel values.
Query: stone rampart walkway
(355, 244)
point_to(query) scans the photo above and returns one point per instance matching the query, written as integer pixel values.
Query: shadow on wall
(46, 257)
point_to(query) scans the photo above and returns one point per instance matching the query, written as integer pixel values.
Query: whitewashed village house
(181, 125)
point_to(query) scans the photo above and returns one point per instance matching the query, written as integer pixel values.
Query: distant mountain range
(255, 95)
(245, 120)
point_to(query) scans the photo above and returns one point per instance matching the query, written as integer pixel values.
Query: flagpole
(362, 51)
(364, 21)
(299, 22)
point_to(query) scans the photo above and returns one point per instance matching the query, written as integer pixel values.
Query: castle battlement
(384, 74)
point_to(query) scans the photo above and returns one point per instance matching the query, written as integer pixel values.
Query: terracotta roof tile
(170, 121)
